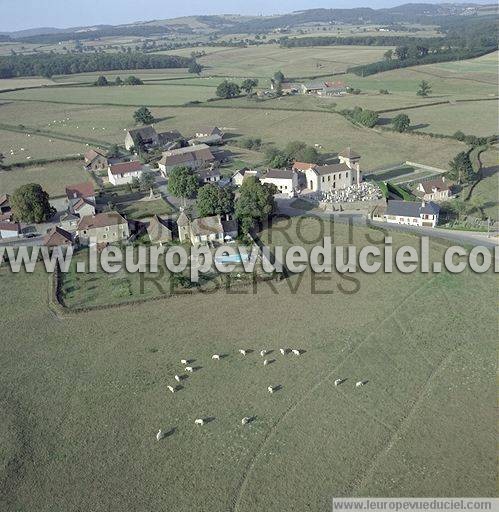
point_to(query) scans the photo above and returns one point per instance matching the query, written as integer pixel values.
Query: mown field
(82, 398)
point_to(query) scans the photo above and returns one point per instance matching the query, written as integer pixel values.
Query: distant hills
(232, 24)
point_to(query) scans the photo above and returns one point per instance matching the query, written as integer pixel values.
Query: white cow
(242, 351)
(183, 361)
(245, 420)
(265, 362)
(177, 378)
(337, 382)
(189, 369)
(270, 389)
(296, 352)
(282, 351)
(263, 352)
(199, 421)
(359, 384)
(160, 435)
(216, 356)
(171, 388)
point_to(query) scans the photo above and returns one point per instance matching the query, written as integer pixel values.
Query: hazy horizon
(29, 14)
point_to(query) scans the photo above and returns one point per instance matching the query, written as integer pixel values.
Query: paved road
(460, 237)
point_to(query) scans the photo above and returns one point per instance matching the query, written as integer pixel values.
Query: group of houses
(316, 87)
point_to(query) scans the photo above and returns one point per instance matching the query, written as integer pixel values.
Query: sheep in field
(183, 361)
(282, 351)
(189, 369)
(245, 420)
(263, 352)
(199, 421)
(296, 352)
(337, 382)
(270, 389)
(171, 389)
(265, 362)
(160, 435)
(359, 384)
(216, 357)
(177, 378)
(242, 351)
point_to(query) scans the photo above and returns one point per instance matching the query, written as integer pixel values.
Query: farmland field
(82, 397)
(53, 177)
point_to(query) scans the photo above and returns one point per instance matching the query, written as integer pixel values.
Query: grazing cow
(265, 362)
(216, 356)
(296, 352)
(183, 361)
(270, 389)
(199, 421)
(282, 351)
(171, 388)
(263, 352)
(245, 420)
(337, 382)
(359, 384)
(177, 378)
(189, 369)
(160, 435)
(242, 351)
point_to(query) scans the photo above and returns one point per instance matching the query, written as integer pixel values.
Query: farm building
(210, 135)
(5, 210)
(95, 160)
(435, 190)
(148, 138)
(58, 237)
(413, 213)
(83, 207)
(160, 230)
(102, 228)
(324, 88)
(125, 172)
(193, 157)
(9, 230)
(69, 222)
(285, 180)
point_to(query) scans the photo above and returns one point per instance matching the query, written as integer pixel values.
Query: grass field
(82, 398)
(145, 209)
(52, 177)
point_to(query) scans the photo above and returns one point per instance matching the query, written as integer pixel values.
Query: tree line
(53, 64)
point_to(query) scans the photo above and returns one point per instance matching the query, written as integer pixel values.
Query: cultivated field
(82, 398)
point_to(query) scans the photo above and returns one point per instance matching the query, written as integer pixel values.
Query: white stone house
(239, 176)
(412, 213)
(123, 173)
(193, 157)
(9, 230)
(285, 180)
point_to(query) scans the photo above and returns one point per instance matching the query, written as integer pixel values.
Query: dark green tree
(147, 180)
(118, 81)
(401, 123)
(248, 85)
(213, 200)
(424, 89)
(402, 52)
(388, 55)
(279, 77)
(183, 183)
(101, 81)
(30, 203)
(195, 68)
(228, 90)
(461, 168)
(143, 115)
(255, 203)
(133, 80)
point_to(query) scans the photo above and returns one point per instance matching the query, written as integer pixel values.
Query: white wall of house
(426, 220)
(284, 185)
(7, 233)
(123, 179)
(332, 181)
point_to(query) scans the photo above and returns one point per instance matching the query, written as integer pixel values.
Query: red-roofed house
(9, 230)
(121, 174)
(81, 190)
(58, 237)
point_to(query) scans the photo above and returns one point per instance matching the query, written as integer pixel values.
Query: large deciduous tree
(213, 200)
(30, 203)
(255, 203)
(182, 182)
(401, 123)
(143, 115)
